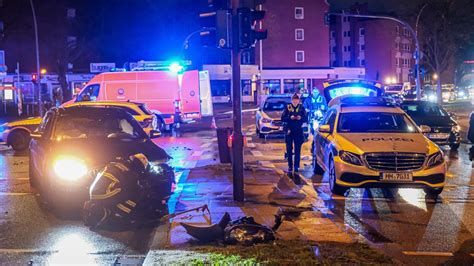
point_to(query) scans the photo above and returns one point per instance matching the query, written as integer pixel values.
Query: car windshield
(279, 104)
(424, 109)
(366, 122)
(74, 126)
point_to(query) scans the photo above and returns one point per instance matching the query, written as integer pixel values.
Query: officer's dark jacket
(294, 126)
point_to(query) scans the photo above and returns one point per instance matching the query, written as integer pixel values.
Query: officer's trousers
(294, 143)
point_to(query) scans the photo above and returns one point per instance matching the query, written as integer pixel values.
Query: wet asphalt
(403, 223)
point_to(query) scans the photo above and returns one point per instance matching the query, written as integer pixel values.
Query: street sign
(101, 67)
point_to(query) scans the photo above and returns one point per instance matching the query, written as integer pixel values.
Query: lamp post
(405, 24)
(38, 71)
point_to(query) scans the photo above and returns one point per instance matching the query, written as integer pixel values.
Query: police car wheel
(433, 192)
(335, 188)
(318, 170)
(19, 140)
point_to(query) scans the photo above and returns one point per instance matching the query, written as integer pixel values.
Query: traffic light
(216, 25)
(34, 78)
(248, 17)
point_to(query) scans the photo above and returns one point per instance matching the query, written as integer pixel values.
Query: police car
(268, 117)
(366, 141)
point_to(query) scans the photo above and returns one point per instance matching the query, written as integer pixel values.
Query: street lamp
(38, 72)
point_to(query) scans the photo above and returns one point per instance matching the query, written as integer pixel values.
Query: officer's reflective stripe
(131, 203)
(106, 195)
(121, 167)
(123, 208)
(111, 177)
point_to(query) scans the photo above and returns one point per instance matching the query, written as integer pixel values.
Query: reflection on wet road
(405, 221)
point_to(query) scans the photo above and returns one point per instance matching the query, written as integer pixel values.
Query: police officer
(127, 192)
(293, 117)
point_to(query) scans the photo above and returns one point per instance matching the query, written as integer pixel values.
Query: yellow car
(17, 134)
(367, 142)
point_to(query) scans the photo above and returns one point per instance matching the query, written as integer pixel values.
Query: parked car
(70, 143)
(268, 117)
(444, 130)
(17, 134)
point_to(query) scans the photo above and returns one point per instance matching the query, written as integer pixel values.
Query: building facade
(383, 47)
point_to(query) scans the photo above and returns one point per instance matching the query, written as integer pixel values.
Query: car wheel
(335, 188)
(433, 192)
(19, 140)
(318, 170)
(454, 146)
(32, 175)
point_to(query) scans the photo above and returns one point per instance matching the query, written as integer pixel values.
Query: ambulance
(174, 96)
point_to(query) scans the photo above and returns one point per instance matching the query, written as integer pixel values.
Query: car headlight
(456, 128)
(266, 120)
(70, 168)
(432, 98)
(350, 157)
(461, 94)
(435, 159)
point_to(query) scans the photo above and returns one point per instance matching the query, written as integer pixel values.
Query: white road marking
(428, 253)
(15, 194)
(243, 111)
(251, 145)
(196, 153)
(267, 164)
(256, 153)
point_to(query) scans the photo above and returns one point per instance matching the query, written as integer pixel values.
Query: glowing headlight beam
(70, 169)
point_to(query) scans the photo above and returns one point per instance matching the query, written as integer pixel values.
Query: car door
(323, 140)
(39, 142)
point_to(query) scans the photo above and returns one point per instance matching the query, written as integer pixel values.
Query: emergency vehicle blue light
(175, 67)
(353, 90)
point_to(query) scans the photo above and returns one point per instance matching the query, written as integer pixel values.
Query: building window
(396, 45)
(333, 34)
(406, 32)
(299, 13)
(397, 29)
(246, 87)
(272, 86)
(349, 48)
(334, 63)
(334, 49)
(293, 85)
(299, 56)
(345, 34)
(348, 34)
(362, 47)
(246, 58)
(345, 19)
(345, 48)
(362, 32)
(299, 34)
(362, 62)
(71, 13)
(397, 61)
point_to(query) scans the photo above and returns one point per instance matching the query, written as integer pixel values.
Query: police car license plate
(397, 177)
(438, 136)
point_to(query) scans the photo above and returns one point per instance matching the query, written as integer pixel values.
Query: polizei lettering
(388, 139)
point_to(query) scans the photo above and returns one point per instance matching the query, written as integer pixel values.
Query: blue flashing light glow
(175, 67)
(353, 90)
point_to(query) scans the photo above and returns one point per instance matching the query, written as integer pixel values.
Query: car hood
(434, 121)
(274, 115)
(385, 142)
(98, 152)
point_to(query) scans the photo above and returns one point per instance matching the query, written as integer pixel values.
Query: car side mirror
(155, 134)
(425, 129)
(36, 135)
(324, 129)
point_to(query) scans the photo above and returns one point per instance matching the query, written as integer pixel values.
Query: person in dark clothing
(293, 118)
(470, 135)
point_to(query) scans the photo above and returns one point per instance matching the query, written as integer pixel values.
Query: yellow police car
(17, 134)
(368, 142)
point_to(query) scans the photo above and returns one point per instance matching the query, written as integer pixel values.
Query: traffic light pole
(38, 73)
(238, 139)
